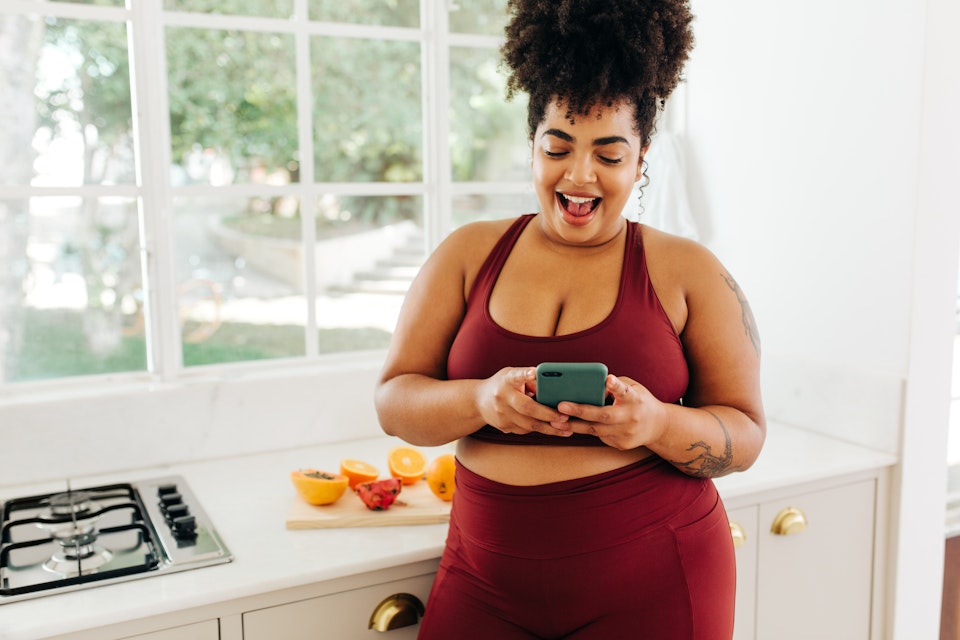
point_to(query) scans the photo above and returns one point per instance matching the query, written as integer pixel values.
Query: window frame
(147, 22)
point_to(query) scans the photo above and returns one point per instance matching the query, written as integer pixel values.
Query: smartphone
(580, 382)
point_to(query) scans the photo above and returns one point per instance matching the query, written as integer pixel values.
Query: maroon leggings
(639, 552)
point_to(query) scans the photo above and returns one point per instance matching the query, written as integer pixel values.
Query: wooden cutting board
(416, 504)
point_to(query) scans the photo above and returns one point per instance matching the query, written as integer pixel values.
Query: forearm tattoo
(707, 464)
(749, 323)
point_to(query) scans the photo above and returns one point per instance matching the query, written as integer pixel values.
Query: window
(207, 185)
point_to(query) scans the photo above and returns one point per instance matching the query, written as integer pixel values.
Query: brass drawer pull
(738, 534)
(788, 522)
(396, 611)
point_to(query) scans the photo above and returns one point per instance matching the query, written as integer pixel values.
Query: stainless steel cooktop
(82, 538)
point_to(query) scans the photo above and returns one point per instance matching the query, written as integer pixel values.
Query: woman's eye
(610, 160)
(554, 154)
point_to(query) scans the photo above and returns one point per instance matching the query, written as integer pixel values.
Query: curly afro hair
(589, 52)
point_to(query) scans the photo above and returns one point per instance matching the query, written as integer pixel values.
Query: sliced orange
(440, 476)
(406, 463)
(358, 471)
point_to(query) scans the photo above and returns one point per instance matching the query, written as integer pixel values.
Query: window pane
(240, 285)
(65, 116)
(473, 207)
(395, 13)
(70, 291)
(265, 8)
(488, 135)
(233, 107)
(487, 17)
(368, 251)
(367, 110)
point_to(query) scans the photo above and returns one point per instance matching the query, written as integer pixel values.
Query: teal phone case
(580, 382)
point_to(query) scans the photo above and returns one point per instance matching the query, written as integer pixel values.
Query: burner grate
(17, 578)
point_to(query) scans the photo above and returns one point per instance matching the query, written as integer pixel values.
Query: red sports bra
(636, 340)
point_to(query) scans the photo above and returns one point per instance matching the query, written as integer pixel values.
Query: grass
(55, 345)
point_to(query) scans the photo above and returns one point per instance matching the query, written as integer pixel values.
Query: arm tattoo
(706, 464)
(749, 323)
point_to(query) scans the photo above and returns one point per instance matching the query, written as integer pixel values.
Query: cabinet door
(343, 616)
(816, 582)
(743, 527)
(206, 630)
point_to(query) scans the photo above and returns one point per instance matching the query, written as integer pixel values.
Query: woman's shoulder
(463, 251)
(475, 239)
(681, 270)
(667, 250)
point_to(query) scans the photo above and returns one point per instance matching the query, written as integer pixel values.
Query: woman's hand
(635, 418)
(506, 401)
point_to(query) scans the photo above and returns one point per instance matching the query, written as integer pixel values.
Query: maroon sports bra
(636, 340)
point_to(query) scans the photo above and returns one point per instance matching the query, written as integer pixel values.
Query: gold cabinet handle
(396, 611)
(738, 534)
(789, 521)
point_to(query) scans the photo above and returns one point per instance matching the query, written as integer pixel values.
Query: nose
(580, 171)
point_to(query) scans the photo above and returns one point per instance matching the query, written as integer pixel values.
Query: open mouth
(578, 206)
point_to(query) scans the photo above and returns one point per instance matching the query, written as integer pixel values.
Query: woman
(582, 521)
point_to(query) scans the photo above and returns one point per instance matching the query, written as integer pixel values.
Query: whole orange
(440, 476)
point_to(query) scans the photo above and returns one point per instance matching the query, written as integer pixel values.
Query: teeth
(579, 200)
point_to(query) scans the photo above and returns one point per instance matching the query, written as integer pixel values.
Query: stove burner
(78, 555)
(70, 516)
(70, 504)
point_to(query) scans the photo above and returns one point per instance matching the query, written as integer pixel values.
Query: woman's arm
(414, 400)
(720, 428)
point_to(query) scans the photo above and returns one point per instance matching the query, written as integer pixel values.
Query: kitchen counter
(248, 499)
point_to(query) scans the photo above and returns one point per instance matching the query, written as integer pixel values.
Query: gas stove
(82, 538)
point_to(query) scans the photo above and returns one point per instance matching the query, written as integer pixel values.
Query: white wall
(802, 125)
(144, 425)
(821, 139)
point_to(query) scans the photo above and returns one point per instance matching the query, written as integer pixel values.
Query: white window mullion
(436, 123)
(308, 228)
(151, 110)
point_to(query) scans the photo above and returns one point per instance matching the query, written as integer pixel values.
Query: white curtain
(665, 204)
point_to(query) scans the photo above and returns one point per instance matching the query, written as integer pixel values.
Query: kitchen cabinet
(206, 630)
(743, 528)
(346, 615)
(806, 566)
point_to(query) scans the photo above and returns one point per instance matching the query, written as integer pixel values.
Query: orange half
(358, 471)
(406, 463)
(318, 487)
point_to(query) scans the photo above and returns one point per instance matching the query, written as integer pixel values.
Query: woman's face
(584, 172)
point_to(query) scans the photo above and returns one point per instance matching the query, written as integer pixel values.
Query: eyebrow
(598, 142)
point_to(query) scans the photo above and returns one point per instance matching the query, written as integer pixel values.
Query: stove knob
(184, 527)
(166, 488)
(175, 511)
(168, 499)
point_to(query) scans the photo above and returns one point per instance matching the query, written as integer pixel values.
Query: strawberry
(378, 495)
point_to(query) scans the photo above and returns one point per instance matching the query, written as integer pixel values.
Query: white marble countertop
(248, 499)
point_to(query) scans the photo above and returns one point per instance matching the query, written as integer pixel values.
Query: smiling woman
(129, 238)
(561, 493)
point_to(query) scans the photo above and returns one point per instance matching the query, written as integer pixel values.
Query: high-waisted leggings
(641, 552)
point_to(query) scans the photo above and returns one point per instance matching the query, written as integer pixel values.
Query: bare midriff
(526, 465)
